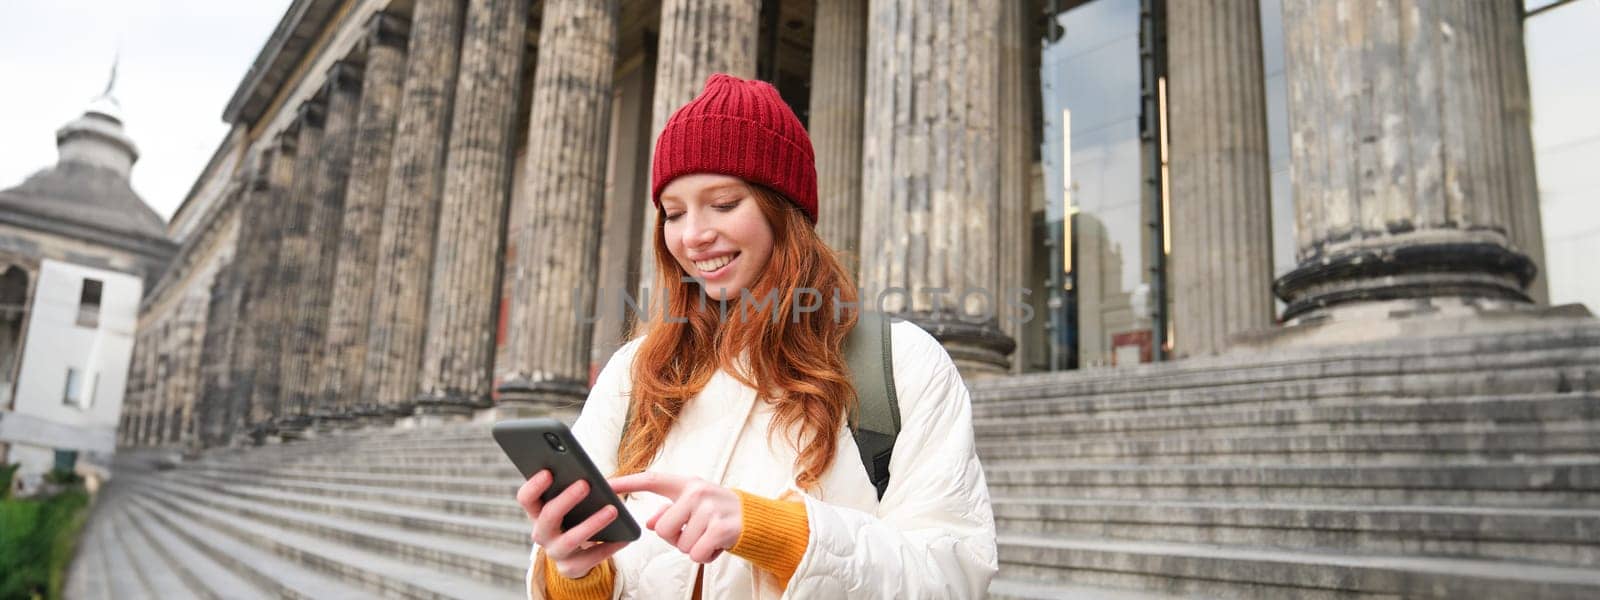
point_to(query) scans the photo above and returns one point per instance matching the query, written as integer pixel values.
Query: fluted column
(411, 211)
(214, 358)
(930, 174)
(345, 354)
(1019, 48)
(1399, 137)
(1527, 222)
(552, 276)
(295, 254)
(253, 254)
(458, 351)
(1221, 198)
(321, 234)
(267, 317)
(838, 93)
(698, 38)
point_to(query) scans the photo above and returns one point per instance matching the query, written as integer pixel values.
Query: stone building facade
(419, 200)
(1248, 293)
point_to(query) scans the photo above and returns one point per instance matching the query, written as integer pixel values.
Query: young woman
(761, 495)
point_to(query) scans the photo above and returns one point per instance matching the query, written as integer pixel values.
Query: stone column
(253, 259)
(345, 354)
(411, 211)
(213, 356)
(838, 93)
(268, 318)
(1527, 223)
(930, 175)
(321, 229)
(1019, 48)
(295, 254)
(698, 38)
(458, 352)
(1221, 203)
(628, 181)
(552, 278)
(1401, 171)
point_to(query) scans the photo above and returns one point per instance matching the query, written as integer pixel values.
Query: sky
(180, 61)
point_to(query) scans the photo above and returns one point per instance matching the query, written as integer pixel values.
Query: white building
(77, 249)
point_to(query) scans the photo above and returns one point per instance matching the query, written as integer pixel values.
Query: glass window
(73, 395)
(1098, 212)
(89, 303)
(1563, 56)
(1272, 61)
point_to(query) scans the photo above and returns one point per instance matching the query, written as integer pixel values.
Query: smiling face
(716, 231)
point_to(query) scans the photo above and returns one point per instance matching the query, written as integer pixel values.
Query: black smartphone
(538, 444)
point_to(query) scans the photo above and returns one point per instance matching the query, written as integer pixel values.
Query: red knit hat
(740, 128)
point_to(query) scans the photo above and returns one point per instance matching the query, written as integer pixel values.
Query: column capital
(260, 172)
(388, 29)
(288, 141)
(343, 76)
(312, 111)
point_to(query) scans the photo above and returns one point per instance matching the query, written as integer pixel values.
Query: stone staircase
(423, 513)
(1464, 467)
(1450, 468)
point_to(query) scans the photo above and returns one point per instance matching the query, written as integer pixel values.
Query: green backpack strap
(876, 417)
(875, 420)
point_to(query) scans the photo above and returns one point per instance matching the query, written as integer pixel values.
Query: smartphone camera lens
(555, 442)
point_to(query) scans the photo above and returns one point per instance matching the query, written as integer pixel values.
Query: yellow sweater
(774, 540)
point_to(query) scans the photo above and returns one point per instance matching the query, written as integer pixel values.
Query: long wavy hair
(797, 365)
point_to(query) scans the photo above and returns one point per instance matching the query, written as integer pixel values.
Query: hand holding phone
(572, 507)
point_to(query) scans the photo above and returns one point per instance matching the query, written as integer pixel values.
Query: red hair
(798, 357)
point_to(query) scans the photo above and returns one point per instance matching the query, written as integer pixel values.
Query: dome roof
(88, 186)
(89, 195)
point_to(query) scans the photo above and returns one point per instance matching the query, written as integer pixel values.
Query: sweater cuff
(596, 585)
(775, 534)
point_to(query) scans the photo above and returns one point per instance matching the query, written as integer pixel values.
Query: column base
(1408, 319)
(1412, 265)
(431, 410)
(522, 398)
(980, 349)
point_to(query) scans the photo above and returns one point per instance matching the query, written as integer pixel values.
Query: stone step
(1569, 537)
(1566, 344)
(478, 486)
(510, 532)
(478, 454)
(397, 444)
(1387, 444)
(86, 574)
(1019, 589)
(495, 563)
(1244, 572)
(1575, 485)
(276, 576)
(1555, 375)
(207, 577)
(378, 568)
(407, 459)
(498, 472)
(119, 570)
(494, 507)
(1324, 415)
(156, 574)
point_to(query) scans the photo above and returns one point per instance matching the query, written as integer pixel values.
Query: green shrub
(8, 473)
(63, 477)
(37, 539)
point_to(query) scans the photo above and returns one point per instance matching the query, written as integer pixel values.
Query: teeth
(707, 266)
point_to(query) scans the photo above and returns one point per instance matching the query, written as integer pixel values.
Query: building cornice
(295, 36)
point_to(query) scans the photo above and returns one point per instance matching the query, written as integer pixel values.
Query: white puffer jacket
(932, 535)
